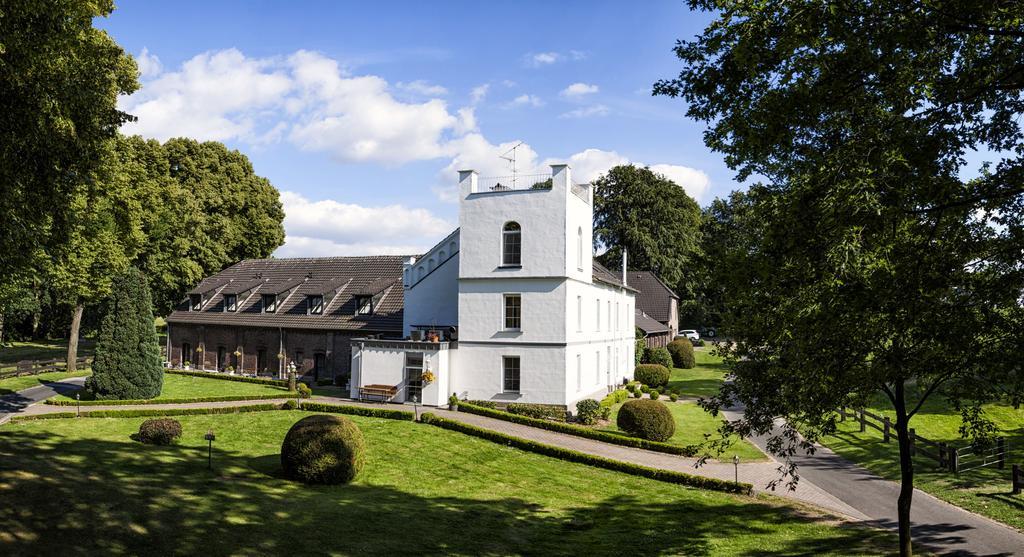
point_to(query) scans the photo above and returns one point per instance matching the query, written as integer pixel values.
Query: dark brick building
(259, 315)
(657, 308)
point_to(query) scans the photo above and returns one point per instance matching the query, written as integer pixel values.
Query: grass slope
(985, 491)
(703, 379)
(692, 423)
(185, 386)
(15, 384)
(83, 487)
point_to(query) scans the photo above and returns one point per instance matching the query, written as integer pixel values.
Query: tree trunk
(906, 472)
(76, 325)
(1, 329)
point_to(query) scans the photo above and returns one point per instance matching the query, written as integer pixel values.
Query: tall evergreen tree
(127, 361)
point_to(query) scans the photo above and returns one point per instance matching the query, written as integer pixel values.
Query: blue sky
(361, 112)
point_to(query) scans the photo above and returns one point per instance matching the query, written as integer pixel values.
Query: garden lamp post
(78, 402)
(209, 454)
(736, 467)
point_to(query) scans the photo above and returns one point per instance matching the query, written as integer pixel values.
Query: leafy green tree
(639, 210)
(212, 212)
(867, 263)
(127, 360)
(59, 83)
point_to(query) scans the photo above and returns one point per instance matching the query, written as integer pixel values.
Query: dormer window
(269, 303)
(195, 302)
(230, 302)
(364, 305)
(511, 245)
(315, 303)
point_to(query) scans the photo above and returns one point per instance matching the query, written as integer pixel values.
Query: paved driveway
(16, 402)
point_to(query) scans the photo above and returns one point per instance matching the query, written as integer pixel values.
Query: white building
(511, 306)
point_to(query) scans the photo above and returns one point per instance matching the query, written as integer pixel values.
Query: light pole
(736, 467)
(78, 402)
(209, 454)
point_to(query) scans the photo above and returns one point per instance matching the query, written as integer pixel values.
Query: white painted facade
(575, 331)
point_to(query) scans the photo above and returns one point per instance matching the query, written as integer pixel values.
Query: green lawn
(985, 491)
(15, 384)
(186, 386)
(692, 423)
(702, 380)
(83, 487)
(42, 350)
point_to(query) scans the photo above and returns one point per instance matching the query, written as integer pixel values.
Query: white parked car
(690, 334)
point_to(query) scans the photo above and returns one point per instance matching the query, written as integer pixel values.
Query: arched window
(579, 248)
(511, 244)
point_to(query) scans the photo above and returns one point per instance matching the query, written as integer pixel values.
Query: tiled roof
(601, 274)
(649, 325)
(338, 279)
(655, 297)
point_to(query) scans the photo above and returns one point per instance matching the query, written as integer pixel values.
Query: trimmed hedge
(159, 431)
(648, 419)
(682, 353)
(359, 411)
(482, 403)
(321, 449)
(652, 375)
(226, 398)
(146, 412)
(659, 356)
(579, 431)
(226, 377)
(539, 411)
(588, 411)
(669, 476)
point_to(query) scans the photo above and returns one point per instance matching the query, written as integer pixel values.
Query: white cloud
(586, 112)
(525, 100)
(543, 59)
(422, 87)
(149, 64)
(478, 93)
(694, 181)
(305, 98)
(327, 227)
(577, 90)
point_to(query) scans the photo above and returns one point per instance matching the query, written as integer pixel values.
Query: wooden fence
(35, 367)
(947, 456)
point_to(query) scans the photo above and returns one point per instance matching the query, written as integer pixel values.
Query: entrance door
(319, 364)
(261, 360)
(221, 358)
(414, 376)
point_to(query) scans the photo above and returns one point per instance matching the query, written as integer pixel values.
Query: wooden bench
(381, 393)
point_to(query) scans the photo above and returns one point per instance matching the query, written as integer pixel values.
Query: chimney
(625, 255)
(468, 183)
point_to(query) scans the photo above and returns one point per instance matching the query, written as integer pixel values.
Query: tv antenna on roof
(512, 160)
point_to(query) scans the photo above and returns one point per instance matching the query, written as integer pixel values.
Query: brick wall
(259, 348)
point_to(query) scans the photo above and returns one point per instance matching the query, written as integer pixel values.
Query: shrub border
(657, 474)
(148, 412)
(359, 411)
(225, 377)
(225, 398)
(579, 431)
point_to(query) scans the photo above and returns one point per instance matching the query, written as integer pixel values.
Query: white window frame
(579, 372)
(579, 314)
(609, 316)
(519, 372)
(233, 305)
(579, 248)
(504, 311)
(314, 310)
(597, 319)
(368, 306)
(505, 233)
(271, 308)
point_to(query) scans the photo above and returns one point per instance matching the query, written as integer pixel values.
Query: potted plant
(433, 336)
(453, 403)
(230, 370)
(187, 365)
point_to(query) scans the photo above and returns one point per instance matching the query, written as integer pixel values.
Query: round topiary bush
(588, 410)
(160, 431)
(647, 419)
(660, 356)
(323, 449)
(651, 375)
(655, 395)
(681, 350)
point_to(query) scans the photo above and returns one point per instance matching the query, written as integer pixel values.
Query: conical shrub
(126, 364)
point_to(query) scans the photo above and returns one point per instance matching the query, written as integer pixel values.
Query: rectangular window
(414, 376)
(364, 305)
(269, 303)
(616, 316)
(609, 361)
(315, 303)
(195, 302)
(597, 315)
(597, 366)
(513, 312)
(230, 302)
(512, 246)
(510, 374)
(579, 314)
(609, 315)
